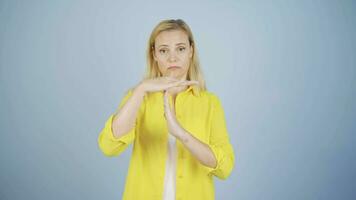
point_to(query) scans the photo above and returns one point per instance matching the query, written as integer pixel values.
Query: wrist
(140, 90)
(181, 134)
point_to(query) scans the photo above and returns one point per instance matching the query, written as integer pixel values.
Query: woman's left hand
(173, 125)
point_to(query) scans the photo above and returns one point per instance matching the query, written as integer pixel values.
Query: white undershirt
(169, 180)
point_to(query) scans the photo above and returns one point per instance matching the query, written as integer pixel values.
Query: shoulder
(212, 98)
(128, 92)
(210, 95)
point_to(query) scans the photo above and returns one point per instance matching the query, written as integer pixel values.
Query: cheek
(161, 65)
(186, 61)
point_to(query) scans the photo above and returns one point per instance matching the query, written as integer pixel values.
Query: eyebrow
(176, 44)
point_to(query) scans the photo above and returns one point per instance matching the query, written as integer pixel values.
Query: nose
(172, 57)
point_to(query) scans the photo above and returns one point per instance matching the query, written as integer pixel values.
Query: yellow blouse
(199, 113)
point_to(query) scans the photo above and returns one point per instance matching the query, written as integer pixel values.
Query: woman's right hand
(163, 83)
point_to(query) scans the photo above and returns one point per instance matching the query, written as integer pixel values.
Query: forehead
(171, 37)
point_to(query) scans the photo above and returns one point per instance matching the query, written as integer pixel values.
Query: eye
(181, 48)
(163, 51)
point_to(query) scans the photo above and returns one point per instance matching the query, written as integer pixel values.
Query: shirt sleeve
(108, 143)
(219, 142)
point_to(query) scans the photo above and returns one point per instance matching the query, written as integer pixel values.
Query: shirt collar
(194, 89)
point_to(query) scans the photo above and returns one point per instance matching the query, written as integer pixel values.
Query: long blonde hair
(194, 71)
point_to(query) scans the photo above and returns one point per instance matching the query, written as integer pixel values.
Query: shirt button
(180, 176)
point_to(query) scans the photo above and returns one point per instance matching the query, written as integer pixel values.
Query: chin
(177, 76)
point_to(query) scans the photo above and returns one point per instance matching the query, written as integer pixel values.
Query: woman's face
(173, 53)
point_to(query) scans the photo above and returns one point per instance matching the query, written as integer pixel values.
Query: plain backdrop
(285, 72)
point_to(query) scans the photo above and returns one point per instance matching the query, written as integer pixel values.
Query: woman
(177, 127)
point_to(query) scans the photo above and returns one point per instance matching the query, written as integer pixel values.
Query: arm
(127, 114)
(217, 156)
(219, 142)
(200, 150)
(119, 129)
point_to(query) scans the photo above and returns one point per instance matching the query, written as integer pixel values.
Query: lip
(173, 67)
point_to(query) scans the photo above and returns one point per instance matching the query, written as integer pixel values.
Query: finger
(166, 104)
(166, 99)
(193, 82)
(175, 83)
(165, 96)
(189, 83)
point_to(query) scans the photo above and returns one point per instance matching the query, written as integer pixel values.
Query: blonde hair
(194, 71)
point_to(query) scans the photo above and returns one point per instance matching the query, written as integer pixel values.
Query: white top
(169, 180)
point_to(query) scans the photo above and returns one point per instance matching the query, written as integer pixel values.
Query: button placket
(175, 106)
(178, 104)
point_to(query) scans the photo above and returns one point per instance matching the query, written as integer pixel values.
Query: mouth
(173, 67)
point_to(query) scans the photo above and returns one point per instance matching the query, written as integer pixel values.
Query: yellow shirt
(199, 113)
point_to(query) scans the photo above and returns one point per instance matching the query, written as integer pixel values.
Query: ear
(191, 51)
(154, 53)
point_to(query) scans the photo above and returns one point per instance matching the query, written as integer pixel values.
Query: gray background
(284, 71)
